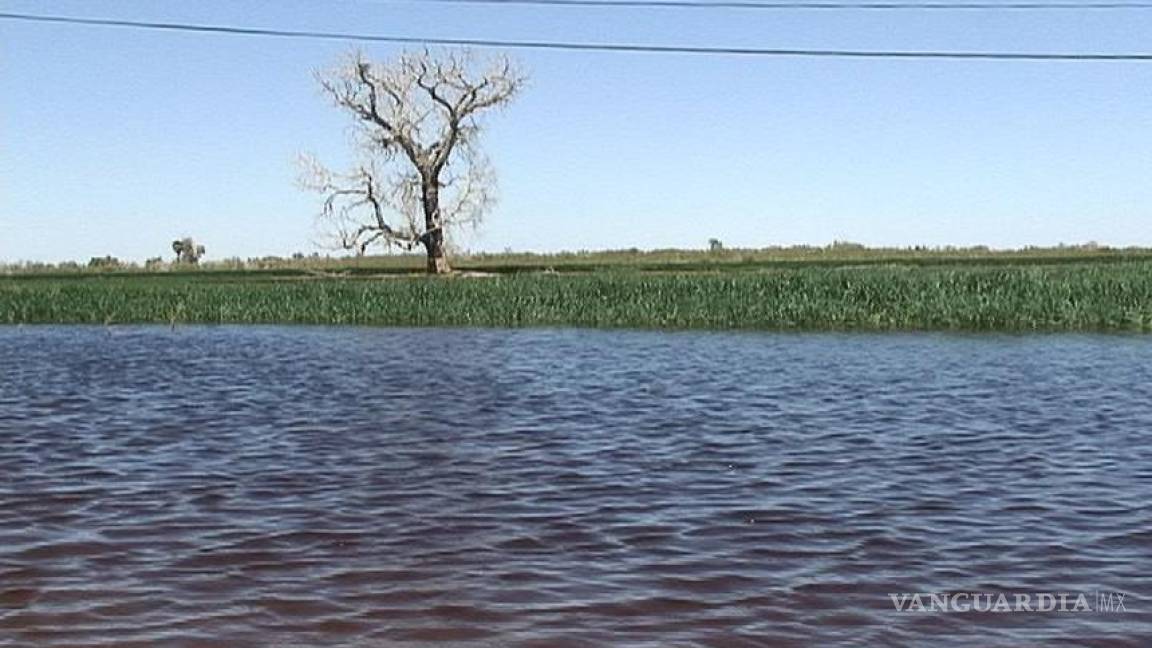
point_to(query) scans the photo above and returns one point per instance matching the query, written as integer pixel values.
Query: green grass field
(1020, 292)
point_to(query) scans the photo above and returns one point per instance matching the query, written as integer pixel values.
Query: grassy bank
(1099, 296)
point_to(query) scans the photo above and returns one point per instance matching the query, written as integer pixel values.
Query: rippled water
(375, 487)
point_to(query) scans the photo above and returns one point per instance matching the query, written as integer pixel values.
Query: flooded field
(277, 486)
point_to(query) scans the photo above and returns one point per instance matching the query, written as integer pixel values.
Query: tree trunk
(437, 260)
(434, 236)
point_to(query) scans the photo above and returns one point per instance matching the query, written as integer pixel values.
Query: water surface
(274, 486)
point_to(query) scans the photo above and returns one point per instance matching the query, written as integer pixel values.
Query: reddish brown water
(363, 487)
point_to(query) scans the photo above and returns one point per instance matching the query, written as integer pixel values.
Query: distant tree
(187, 251)
(421, 170)
(846, 245)
(104, 262)
(155, 263)
(715, 245)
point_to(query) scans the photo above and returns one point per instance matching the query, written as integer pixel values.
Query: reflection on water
(377, 487)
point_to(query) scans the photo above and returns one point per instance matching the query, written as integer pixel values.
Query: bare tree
(420, 170)
(187, 252)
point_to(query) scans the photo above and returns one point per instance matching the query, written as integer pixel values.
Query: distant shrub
(846, 245)
(104, 263)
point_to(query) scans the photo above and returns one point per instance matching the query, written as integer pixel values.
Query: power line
(572, 46)
(815, 5)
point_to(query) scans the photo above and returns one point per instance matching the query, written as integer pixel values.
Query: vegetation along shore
(817, 289)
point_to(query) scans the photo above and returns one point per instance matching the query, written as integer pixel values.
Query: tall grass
(1080, 297)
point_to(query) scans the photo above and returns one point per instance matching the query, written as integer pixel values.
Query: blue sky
(116, 141)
